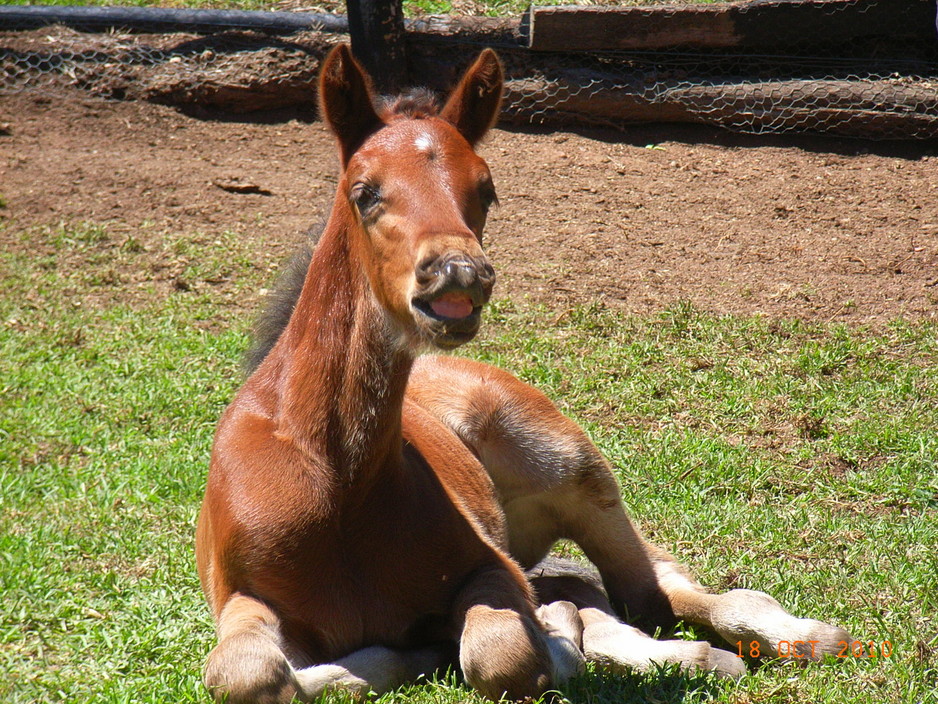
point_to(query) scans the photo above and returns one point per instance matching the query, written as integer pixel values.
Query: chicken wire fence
(867, 84)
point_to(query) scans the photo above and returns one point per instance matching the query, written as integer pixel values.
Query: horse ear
(345, 100)
(473, 106)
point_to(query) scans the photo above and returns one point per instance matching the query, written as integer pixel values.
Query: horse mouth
(451, 318)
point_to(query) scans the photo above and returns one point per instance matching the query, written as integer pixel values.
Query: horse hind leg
(250, 665)
(749, 619)
(555, 483)
(551, 480)
(563, 628)
(615, 646)
(645, 583)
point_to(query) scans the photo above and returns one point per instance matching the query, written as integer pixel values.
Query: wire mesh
(887, 101)
(238, 71)
(863, 85)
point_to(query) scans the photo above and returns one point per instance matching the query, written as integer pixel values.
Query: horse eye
(489, 198)
(365, 197)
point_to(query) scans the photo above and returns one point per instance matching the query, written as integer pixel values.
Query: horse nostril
(487, 274)
(427, 270)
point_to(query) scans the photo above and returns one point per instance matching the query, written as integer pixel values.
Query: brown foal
(369, 513)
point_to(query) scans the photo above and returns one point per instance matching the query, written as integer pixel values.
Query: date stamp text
(806, 649)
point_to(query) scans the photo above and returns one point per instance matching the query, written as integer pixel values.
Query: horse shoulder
(263, 490)
(267, 476)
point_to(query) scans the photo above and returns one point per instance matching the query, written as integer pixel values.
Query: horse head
(417, 196)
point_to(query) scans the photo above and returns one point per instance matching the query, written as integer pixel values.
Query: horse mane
(279, 302)
(412, 104)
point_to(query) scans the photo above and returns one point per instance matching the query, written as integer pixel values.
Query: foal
(367, 513)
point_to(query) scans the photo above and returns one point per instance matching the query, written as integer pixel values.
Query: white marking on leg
(375, 669)
(564, 631)
(618, 647)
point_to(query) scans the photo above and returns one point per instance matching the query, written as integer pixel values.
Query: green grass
(790, 457)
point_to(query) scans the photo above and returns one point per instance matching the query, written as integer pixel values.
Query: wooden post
(377, 31)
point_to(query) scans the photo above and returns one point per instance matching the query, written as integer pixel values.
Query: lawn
(790, 457)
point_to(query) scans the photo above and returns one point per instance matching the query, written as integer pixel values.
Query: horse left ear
(345, 101)
(473, 106)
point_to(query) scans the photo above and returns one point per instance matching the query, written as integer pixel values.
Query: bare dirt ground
(813, 228)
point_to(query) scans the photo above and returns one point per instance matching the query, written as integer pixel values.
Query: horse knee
(248, 668)
(504, 654)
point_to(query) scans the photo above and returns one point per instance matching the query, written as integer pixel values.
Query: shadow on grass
(667, 684)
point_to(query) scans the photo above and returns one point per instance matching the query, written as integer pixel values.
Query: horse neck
(343, 371)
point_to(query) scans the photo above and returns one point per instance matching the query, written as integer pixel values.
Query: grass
(790, 457)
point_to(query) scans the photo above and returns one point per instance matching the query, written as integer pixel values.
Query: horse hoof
(767, 630)
(726, 664)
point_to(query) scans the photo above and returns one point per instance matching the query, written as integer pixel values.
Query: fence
(865, 68)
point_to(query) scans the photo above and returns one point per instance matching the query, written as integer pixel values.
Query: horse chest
(383, 567)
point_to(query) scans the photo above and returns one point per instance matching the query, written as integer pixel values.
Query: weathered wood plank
(478, 30)
(760, 24)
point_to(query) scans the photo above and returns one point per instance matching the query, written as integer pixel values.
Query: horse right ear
(345, 101)
(473, 105)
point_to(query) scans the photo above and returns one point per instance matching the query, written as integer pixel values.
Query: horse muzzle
(451, 291)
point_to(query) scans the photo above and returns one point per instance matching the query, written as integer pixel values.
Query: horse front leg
(250, 663)
(249, 666)
(371, 671)
(504, 651)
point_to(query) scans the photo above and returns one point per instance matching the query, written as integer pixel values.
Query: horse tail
(279, 303)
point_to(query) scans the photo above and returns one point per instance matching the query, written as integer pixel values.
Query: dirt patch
(813, 229)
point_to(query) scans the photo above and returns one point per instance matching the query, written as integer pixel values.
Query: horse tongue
(452, 305)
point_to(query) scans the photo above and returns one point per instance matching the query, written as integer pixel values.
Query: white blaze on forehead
(423, 143)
